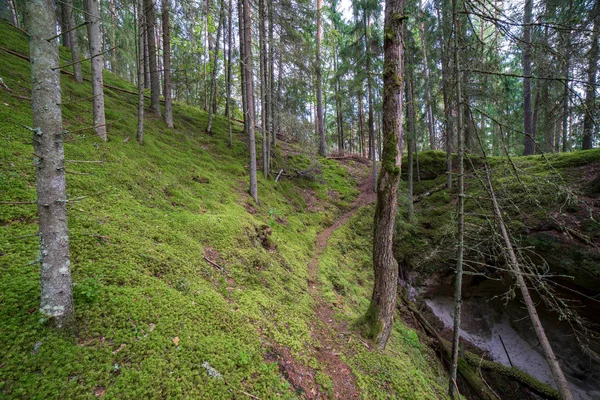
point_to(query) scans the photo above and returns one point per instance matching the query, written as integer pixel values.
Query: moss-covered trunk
(381, 310)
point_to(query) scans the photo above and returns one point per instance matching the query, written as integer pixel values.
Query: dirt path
(330, 335)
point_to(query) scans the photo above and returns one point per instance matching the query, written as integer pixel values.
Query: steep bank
(552, 207)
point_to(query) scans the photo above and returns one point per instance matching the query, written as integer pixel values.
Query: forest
(299, 199)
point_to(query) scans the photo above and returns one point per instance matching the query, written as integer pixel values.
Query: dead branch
(211, 262)
(436, 189)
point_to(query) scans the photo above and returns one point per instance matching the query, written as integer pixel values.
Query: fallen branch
(211, 262)
(436, 189)
(279, 175)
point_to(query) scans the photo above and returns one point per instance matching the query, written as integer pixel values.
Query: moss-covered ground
(153, 318)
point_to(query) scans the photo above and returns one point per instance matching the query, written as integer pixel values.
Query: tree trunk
(527, 114)
(64, 24)
(264, 79)
(151, 55)
(228, 89)
(461, 208)
(167, 91)
(13, 10)
(93, 28)
(243, 64)
(140, 70)
(380, 315)
(73, 42)
(249, 81)
(430, 122)
(56, 287)
(271, 94)
(410, 135)
(113, 38)
(213, 79)
(146, 59)
(319, 79)
(371, 121)
(590, 92)
(446, 87)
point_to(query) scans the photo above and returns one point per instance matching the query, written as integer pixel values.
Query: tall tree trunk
(590, 92)
(64, 24)
(446, 86)
(565, 99)
(429, 107)
(270, 93)
(93, 28)
(410, 135)
(264, 83)
(461, 206)
(213, 79)
(380, 315)
(140, 70)
(168, 89)
(146, 60)
(371, 122)
(151, 55)
(73, 42)
(529, 144)
(338, 108)
(113, 37)
(13, 11)
(319, 79)
(228, 90)
(243, 64)
(249, 81)
(56, 300)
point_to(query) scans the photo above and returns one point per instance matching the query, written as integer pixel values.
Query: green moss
(138, 237)
(407, 369)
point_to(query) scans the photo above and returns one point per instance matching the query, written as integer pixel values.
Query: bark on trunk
(64, 24)
(167, 91)
(410, 135)
(213, 78)
(56, 287)
(428, 106)
(529, 144)
(270, 93)
(249, 81)
(242, 64)
(264, 79)
(151, 55)
(318, 77)
(590, 93)
(146, 59)
(140, 70)
(229, 42)
(380, 315)
(73, 42)
(371, 122)
(461, 208)
(93, 28)
(446, 87)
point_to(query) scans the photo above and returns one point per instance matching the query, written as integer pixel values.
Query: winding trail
(330, 335)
